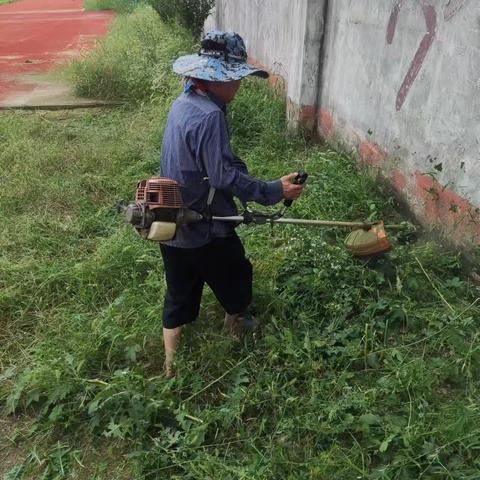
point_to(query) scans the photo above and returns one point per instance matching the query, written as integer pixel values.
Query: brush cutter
(158, 210)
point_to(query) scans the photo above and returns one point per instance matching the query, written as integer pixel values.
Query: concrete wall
(398, 81)
(401, 83)
(282, 35)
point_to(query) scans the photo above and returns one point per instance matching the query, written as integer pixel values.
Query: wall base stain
(371, 154)
(446, 209)
(326, 123)
(433, 204)
(399, 181)
(308, 117)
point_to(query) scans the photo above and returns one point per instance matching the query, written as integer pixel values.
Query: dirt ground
(35, 38)
(10, 454)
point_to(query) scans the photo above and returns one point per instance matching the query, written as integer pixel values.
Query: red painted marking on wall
(431, 23)
(399, 181)
(326, 123)
(371, 154)
(392, 22)
(425, 44)
(445, 208)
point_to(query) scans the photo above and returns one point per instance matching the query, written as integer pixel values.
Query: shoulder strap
(211, 194)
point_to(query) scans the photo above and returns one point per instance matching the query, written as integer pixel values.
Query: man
(196, 153)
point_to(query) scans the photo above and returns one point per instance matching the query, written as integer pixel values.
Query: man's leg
(171, 337)
(229, 274)
(182, 298)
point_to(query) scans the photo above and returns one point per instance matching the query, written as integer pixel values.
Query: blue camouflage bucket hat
(222, 58)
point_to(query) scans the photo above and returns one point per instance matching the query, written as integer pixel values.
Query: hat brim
(215, 69)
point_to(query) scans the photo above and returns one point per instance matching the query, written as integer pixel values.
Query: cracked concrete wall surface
(398, 81)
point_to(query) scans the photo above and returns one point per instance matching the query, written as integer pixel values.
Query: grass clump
(134, 62)
(120, 6)
(358, 372)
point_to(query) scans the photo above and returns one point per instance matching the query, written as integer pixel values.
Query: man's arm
(224, 170)
(239, 164)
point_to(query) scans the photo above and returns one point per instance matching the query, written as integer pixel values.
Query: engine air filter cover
(159, 192)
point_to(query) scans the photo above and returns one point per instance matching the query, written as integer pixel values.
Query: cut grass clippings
(360, 371)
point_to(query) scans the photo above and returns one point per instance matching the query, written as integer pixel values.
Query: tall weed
(134, 62)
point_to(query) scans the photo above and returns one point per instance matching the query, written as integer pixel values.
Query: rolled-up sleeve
(225, 171)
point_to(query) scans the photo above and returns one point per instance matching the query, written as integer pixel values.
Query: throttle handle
(300, 179)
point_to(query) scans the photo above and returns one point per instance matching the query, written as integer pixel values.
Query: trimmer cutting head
(367, 242)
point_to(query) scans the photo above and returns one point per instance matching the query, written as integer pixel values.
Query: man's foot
(238, 324)
(168, 371)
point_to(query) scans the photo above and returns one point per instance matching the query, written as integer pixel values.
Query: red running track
(36, 35)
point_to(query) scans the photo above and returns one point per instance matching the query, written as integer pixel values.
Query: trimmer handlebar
(300, 179)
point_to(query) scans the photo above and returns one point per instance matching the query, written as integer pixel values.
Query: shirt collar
(217, 101)
(189, 87)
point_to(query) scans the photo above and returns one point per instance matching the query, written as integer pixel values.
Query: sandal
(238, 324)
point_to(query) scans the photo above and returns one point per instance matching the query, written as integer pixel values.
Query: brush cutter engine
(158, 209)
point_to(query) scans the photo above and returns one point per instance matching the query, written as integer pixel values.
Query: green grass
(359, 371)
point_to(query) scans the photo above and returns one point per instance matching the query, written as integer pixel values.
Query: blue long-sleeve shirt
(196, 153)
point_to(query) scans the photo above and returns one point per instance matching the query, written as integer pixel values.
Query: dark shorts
(221, 264)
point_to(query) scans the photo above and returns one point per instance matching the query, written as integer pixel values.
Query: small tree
(190, 13)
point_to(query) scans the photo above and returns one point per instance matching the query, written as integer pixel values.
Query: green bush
(190, 13)
(135, 61)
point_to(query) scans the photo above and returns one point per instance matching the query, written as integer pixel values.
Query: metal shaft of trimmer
(298, 221)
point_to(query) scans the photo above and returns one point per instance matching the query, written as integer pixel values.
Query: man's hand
(291, 191)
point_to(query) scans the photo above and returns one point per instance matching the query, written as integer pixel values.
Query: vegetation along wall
(396, 80)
